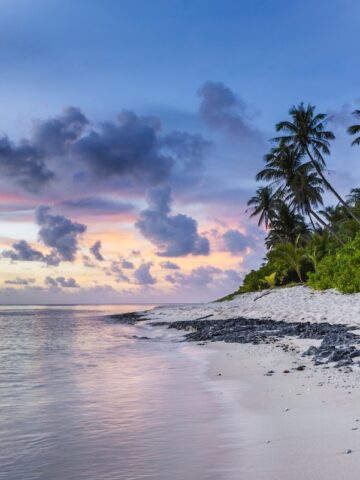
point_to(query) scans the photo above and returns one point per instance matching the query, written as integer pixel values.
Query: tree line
(301, 230)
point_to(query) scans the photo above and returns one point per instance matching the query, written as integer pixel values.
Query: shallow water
(83, 397)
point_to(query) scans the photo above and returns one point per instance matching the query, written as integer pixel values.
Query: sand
(296, 425)
(304, 424)
(298, 303)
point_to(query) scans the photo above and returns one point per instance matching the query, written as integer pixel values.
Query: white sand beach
(292, 304)
(296, 423)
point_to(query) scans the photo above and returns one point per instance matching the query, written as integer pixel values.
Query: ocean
(85, 397)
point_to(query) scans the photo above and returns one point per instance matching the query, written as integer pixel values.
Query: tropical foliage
(339, 270)
(306, 240)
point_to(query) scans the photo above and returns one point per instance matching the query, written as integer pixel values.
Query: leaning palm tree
(296, 180)
(262, 204)
(305, 193)
(306, 133)
(355, 129)
(284, 167)
(281, 167)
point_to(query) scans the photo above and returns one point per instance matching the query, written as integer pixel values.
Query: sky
(131, 132)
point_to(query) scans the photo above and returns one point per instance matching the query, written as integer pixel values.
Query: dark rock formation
(338, 343)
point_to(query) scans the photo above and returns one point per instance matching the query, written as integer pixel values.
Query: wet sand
(297, 425)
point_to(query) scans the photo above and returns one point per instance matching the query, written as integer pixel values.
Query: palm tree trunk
(331, 188)
(299, 275)
(311, 221)
(325, 225)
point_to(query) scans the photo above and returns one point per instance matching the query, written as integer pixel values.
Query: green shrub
(253, 281)
(340, 270)
(275, 265)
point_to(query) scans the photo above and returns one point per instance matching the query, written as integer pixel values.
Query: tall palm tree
(282, 164)
(262, 204)
(307, 134)
(297, 181)
(355, 129)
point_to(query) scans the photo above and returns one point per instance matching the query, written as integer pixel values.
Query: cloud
(174, 235)
(205, 279)
(20, 281)
(115, 270)
(127, 264)
(188, 148)
(55, 135)
(134, 147)
(24, 165)
(198, 276)
(61, 282)
(22, 251)
(88, 262)
(59, 232)
(95, 250)
(169, 265)
(222, 109)
(98, 205)
(236, 242)
(143, 275)
(233, 276)
(129, 147)
(70, 148)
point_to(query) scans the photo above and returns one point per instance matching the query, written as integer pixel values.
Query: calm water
(82, 398)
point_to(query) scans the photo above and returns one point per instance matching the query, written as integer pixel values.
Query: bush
(275, 265)
(340, 270)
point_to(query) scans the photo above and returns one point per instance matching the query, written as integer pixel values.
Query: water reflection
(81, 398)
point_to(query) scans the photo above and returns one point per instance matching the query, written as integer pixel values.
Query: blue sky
(151, 58)
(155, 54)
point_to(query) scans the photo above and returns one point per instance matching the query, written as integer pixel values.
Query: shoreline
(298, 416)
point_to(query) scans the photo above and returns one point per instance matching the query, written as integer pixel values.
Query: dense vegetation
(306, 241)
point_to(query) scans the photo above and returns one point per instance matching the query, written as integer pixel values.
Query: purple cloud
(222, 109)
(59, 232)
(174, 235)
(143, 275)
(170, 265)
(61, 282)
(236, 242)
(95, 250)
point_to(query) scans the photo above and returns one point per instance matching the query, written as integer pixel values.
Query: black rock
(337, 341)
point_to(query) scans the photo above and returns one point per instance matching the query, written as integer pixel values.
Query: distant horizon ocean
(83, 396)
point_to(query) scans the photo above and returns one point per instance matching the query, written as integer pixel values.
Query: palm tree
(286, 225)
(306, 133)
(263, 204)
(306, 194)
(334, 215)
(282, 164)
(355, 129)
(354, 196)
(297, 182)
(292, 254)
